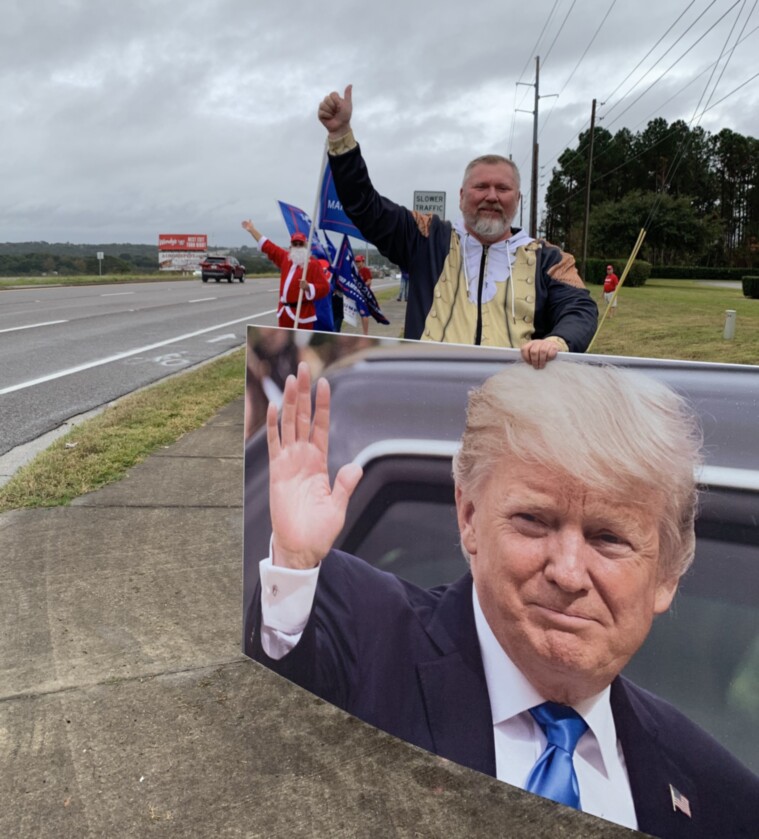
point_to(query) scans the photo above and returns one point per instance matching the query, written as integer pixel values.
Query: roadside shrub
(696, 272)
(751, 287)
(639, 272)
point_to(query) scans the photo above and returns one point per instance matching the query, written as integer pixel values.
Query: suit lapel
(653, 775)
(453, 685)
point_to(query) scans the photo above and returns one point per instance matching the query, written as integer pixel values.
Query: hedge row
(596, 271)
(750, 287)
(696, 272)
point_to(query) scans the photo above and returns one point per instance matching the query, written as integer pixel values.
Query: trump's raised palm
(306, 513)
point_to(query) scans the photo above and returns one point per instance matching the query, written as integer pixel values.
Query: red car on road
(220, 268)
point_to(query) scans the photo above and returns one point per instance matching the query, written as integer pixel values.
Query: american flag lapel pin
(679, 801)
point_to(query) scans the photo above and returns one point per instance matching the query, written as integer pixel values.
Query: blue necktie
(553, 776)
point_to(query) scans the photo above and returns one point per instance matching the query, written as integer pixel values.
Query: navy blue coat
(407, 660)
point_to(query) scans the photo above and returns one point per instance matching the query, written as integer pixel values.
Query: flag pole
(311, 231)
(628, 266)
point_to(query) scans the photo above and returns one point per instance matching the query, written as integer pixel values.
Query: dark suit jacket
(407, 660)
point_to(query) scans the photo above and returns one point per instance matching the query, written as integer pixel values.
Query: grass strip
(680, 319)
(101, 450)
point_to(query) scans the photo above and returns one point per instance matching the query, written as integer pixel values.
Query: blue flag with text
(331, 213)
(349, 282)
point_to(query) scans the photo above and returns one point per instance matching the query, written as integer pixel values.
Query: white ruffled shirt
(500, 258)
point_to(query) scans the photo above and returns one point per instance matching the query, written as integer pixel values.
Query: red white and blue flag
(351, 284)
(679, 801)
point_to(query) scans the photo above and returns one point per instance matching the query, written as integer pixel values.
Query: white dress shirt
(519, 740)
(286, 600)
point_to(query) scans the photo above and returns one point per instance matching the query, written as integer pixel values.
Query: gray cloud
(126, 120)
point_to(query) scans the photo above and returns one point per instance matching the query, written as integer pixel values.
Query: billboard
(181, 251)
(182, 242)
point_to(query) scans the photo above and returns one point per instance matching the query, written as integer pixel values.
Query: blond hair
(616, 431)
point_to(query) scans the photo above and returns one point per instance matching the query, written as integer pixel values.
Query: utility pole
(586, 226)
(534, 180)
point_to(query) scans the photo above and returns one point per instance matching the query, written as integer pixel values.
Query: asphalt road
(68, 350)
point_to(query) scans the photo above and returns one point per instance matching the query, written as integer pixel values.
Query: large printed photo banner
(398, 410)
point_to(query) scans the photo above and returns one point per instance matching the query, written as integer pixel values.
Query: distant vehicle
(220, 268)
(399, 414)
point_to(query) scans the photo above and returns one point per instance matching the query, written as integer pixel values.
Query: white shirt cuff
(287, 596)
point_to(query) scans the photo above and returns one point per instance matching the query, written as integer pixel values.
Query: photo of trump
(574, 542)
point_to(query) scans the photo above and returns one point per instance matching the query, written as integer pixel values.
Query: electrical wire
(674, 63)
(663, 55)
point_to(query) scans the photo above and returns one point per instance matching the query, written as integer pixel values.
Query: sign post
(429, 202)
(101, 257)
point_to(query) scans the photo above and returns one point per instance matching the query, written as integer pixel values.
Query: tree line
(696, 192)
(19, 259)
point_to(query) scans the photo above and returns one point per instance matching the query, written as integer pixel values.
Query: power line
(556, 36)
(663, 55)
(685, 143)
(729, 58)
(674, 63)
(669, 49)
(582, 57)
(669, 29)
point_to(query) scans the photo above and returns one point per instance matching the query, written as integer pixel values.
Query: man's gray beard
(490, 227)
(298, 256)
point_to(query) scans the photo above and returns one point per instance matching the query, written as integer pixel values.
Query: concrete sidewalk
(127, 709)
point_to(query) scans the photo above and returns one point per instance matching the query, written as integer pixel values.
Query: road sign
(429, 202)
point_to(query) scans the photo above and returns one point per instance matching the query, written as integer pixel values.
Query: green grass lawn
(679, 319)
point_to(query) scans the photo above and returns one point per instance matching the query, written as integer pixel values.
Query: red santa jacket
(289, 284)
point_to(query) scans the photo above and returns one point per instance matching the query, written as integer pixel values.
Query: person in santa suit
(315, 284)
(366, 275)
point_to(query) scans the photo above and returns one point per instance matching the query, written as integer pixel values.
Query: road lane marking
(116, 293)
(33, 325)
(201, 299)
(99, 362)
(221, 338)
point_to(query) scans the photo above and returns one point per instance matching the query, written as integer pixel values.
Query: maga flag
(331, 213)
(298, 222)
(349, 282)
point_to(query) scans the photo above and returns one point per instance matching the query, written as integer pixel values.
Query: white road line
(33, 325)
(202, 299)
(116, 293)
(99, 362)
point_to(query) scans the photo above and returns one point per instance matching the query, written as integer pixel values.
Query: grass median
(679, 319)
(101, 450)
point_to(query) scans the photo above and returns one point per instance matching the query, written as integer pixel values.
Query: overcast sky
(126, 120)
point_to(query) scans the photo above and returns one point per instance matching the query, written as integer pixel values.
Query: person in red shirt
(611, 281)
(366, 275)
(315, 284)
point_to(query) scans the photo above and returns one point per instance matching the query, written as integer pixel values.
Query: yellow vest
(452, 319)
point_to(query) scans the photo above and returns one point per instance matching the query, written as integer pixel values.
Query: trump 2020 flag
(298, 222)
(331, 213)
(349, 282)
